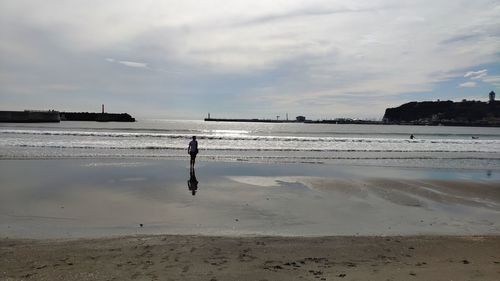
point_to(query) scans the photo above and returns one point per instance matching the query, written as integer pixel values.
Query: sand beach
(186, 257)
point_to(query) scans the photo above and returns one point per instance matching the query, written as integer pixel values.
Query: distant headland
(448, 113)
(41, 116)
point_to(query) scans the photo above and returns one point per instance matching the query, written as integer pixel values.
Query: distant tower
(102, 108)
(209, 115)
(492, 97)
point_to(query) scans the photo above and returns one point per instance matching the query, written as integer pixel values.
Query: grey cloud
(460, 38)
(299, 13)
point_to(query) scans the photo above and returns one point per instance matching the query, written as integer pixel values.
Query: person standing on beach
(193, 150)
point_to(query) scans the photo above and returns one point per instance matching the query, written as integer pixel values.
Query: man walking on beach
(193, 150)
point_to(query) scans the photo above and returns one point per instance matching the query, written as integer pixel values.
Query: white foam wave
(235, 135)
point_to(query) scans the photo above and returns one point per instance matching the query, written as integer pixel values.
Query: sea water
(90, 179)
(381, 145)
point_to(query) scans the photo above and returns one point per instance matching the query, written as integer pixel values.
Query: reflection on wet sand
(37, 198)
(192, 182)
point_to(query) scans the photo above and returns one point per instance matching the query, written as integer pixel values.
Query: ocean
(86, 179)
(379, 145)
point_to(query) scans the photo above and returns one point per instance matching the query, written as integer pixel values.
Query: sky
(246, 59)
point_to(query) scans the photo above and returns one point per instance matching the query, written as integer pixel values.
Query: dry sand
(170, 257)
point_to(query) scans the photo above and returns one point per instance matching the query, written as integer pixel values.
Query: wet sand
(86, 198)
(186, 257)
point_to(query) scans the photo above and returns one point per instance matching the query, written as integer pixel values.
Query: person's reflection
(192, 182)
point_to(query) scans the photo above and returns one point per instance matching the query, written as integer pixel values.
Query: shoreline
(192, 257)
(272, 161)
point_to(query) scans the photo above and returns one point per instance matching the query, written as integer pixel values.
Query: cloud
(470, 84)
(249, 54)
(460, 38)
(128, 63)
(61, 87)
(476, 74)
(481, 75)
(494, 80)
(134, 64)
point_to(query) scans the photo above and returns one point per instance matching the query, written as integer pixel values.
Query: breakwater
(250, 120)
(40, 116)
(99, 117)
(332, 121)
(30, 116)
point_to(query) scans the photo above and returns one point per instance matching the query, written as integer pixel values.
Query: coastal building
(300, 118)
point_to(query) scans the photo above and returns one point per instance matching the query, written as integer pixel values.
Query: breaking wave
(243, 137)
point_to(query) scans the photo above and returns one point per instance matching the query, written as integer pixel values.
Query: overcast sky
(183, 59)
